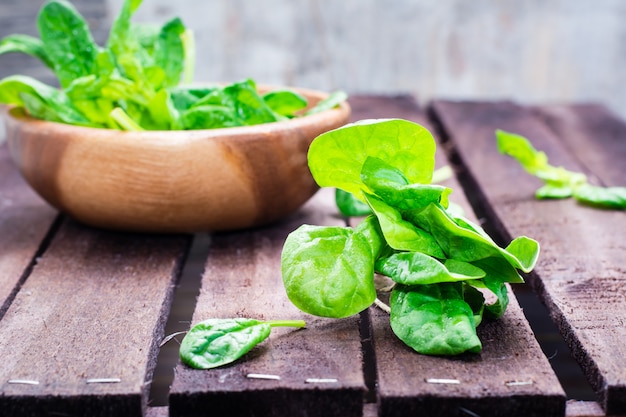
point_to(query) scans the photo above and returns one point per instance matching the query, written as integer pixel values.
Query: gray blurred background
(531, 51)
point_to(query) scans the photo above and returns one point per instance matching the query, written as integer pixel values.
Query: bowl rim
(20, 116)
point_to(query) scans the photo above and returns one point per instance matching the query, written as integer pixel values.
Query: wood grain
(243, 279)
(94, 307)
(580, 274)
(25, 219)
(511, 376)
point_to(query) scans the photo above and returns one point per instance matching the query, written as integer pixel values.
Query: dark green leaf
(169, 53)
(218, 342)
(249, 107)
(434, 319)
(349, 206)
(67, 41)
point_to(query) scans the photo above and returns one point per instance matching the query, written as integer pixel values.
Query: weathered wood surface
(511, 377)
(580, 275)
(25, 219)
(93, 307)
(243, 279)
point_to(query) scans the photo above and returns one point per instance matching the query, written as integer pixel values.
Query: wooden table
(83, 311)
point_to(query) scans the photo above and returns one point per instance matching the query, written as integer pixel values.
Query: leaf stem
(286, 323)
(124, 121)
(384, 307)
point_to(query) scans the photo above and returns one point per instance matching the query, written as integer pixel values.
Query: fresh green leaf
(403, 235)
(169, 53)
(336, 158)
(67, 41)
(466, 245)
(434, 319)
(605, 197)
(475, 299)
(494, 284)
(369, 228)
(391, 186)
(412, 268)
(217, 342)
(558, 179)
(349, 206)
(285, 102)
(26, 45)
(42, 101)
(208, 117)
(249, 107)
(328, 271)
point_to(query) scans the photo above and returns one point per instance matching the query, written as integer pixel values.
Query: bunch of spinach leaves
(558, 181)
(440, 261)
(138, 81)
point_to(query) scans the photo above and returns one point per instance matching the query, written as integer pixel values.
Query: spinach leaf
(605, 197)
(169, 51)
(67, 41)
(40, 100)
(559, 182)
(401, 234)
(285, 102)
(217, 342)
(336, 158)
(248, 105)
(328, 271)
(27, 45)
(208, 117)
(434, 319)
(413, 268)
(349, 206)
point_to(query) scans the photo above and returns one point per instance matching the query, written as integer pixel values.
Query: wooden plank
(243, 279)
(511, 377)
(24, 222)
(580, 275)
(81, 336)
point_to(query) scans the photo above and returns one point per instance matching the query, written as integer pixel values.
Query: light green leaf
(336, 157)
(285, 102)
(412, 268)
(328, 271)
(401, 234)
(607, 197)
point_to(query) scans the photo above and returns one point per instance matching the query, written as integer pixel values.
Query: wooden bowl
(171, 181)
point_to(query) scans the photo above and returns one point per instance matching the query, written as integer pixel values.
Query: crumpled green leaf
(434, 319)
